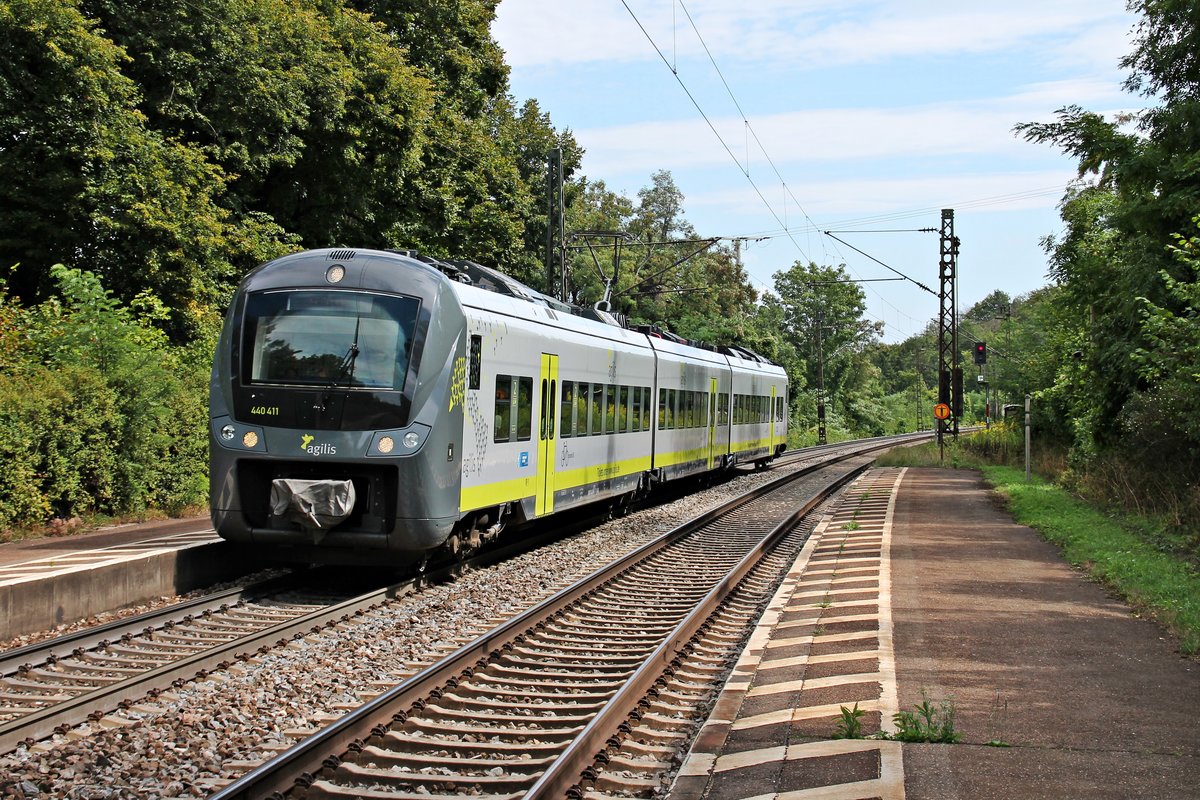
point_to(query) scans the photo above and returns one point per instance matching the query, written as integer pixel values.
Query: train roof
(473, 274)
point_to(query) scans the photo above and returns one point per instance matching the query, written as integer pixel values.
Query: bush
(102, 415)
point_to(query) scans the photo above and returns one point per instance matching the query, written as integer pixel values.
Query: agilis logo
(323, 449)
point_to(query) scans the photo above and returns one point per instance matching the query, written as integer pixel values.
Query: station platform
(920, 588)
(50, 581)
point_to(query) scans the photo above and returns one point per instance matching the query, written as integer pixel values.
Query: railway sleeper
(544, 679)
(403, 742)
(486, 701)
(589, 632)
(482, 733)
(499, 716)
(547, 668)
(374, 757)
(564, 690)
(324, 790)
(83, 677)
(600, 652)
(523, 694)
(431, 777)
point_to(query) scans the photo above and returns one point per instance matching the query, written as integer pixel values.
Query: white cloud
(804, 33)
(834, 134)
(854, 201)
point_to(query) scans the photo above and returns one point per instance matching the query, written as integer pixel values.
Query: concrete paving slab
(1094, 702)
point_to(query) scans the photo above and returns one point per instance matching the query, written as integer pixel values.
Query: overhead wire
(744, 170)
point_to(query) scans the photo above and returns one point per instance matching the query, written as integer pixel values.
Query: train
(380, 407)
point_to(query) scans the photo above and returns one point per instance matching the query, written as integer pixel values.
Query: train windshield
(328, 338)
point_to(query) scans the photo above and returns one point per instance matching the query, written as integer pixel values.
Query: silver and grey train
(375, 406)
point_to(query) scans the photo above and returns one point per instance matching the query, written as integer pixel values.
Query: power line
(880, 263)
(744, 170)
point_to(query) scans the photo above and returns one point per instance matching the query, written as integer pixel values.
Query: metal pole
(1028, 407)
(821, 435)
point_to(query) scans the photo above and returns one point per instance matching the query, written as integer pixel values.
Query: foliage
(1117, 276)
(849, 724)
(926, 723)
(99, 186)
(103, 415)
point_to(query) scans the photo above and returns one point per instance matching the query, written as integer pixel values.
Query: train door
(547, 436)
(771, 417)
(712, 421)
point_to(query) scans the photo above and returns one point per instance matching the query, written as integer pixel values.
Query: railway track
(55, 685)
(526, 709)
(61, 682)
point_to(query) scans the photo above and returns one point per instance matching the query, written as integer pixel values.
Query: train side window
(597, 410)
(566, 407)
(672, 409)
(722, 409)
(645, 421)
(582, 391)
(524, 409)
(610, 409)
(662, 409)
(503, 421)
(623, 409)
(476, 361)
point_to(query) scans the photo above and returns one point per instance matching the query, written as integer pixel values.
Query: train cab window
(503, 416)
(596, 412)
(566, 424)
(524, 409)
(328, 338)
(476, 362)
(623, 409)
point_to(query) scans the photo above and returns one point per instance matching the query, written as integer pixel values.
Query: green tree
(1119, 225)
(99, 187)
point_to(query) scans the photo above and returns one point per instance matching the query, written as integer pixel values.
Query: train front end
(336, 409)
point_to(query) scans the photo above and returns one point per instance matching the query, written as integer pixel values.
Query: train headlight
(228, 432)
(249, 439)
(412, 439)
(335, 273)
(386, 443)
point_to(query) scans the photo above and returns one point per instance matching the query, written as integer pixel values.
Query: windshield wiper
(346, 370)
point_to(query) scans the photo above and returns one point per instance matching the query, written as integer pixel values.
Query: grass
(1125, 552)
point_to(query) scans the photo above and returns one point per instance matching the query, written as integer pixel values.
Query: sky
(782, 119)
